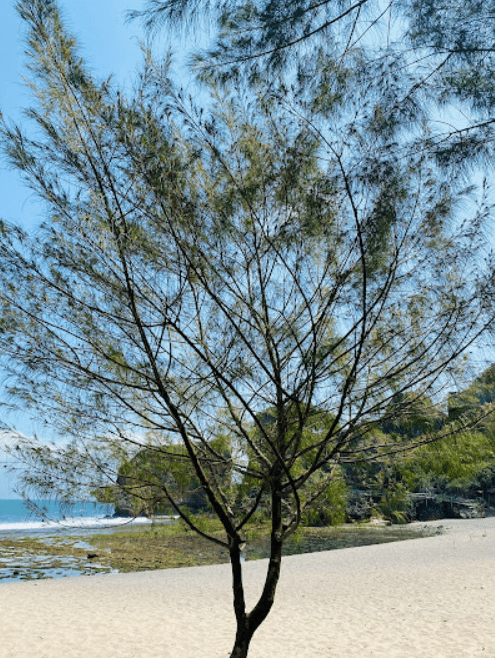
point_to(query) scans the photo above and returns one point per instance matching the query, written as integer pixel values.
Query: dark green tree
(291, 251)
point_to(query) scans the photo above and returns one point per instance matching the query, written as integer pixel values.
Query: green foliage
(462, 463)
(454, 463)
(395, 503)
(159, 479)
(145, 480)
(255, 281)
(330, 507)
(410, 415)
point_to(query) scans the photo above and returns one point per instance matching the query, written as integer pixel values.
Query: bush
(331, 509)
(395, 504)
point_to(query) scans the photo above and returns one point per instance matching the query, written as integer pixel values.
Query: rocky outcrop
(430, 508)
(422, 507)
(140, 484)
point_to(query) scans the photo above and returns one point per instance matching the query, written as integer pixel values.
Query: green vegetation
(458, 467)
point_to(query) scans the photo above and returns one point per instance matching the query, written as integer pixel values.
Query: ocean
(32, 557)
(17, 518)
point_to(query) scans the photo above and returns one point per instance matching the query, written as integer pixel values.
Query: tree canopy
(302, 251)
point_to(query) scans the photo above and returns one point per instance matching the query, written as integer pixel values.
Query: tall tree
(282, 251)
(275, 30)
(439, 51)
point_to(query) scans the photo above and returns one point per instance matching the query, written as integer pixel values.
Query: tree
(438, 51)
(451, 41)
(461, 466)
(278, 251)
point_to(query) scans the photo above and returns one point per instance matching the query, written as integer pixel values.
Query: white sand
(422, 598)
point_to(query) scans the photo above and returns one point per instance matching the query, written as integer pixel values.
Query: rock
(431, 508)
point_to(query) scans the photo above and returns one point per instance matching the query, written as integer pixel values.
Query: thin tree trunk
(247, 624)
(243, 636)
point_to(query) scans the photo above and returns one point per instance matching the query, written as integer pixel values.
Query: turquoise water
(17, 516)
(16, 511)
(53, 523)
(58, 524)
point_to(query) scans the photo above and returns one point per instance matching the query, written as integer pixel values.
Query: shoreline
(84, 525)
(431, 597)
(120, 549)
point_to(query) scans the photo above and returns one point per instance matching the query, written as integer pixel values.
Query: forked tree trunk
(247, 624)
(242, 642)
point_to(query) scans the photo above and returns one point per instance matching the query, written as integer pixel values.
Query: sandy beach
(422, 598)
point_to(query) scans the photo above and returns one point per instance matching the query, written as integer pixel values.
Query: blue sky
(109, 45)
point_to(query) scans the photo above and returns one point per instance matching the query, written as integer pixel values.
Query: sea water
(50, 522)
(16, 517)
